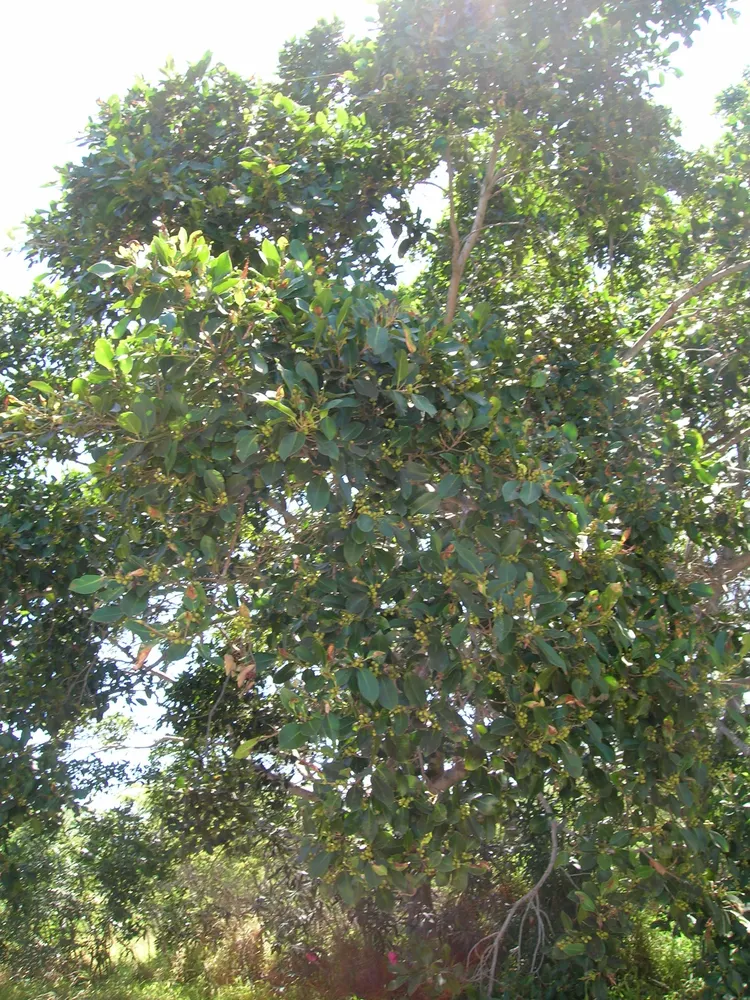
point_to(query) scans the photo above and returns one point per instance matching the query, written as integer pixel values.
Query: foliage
(445, 570)
(73, 895)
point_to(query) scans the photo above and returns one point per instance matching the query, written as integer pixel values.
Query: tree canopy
(450, 563)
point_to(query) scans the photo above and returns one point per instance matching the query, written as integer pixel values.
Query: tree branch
(487, 969)
(458, 265)
(278, 779)
(690, 293)
(448, 778)
(733, 738)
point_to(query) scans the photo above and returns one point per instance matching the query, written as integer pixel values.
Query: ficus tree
(432, 557)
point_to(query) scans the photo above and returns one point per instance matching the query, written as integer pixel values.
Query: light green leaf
(246, 748)
(88, 584)
(131, 422)
(104, 355)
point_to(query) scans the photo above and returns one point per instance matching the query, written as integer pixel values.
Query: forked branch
(486, 971)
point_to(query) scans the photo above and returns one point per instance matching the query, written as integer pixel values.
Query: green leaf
(368, 684)
(290, 444)
(298, 252)
(402, 366)
(503, 627)
(103, 269)
(414, 689)
(550, 654)
(88, 584)
(319, 863)
(108, 614)
(570, 431)
(571, 760)
(422, 403)
(530, 493)
(425, 503)
(44, 387)
(377, 339)
(214, 480)
(208, 547)
(539, 379)
(449, 486)
(131, 422)
(353, 551)
(104, 355)
(291, 736)
(221, 267)
(306, 371)
(469, 558)
(246, 444)
(382, 790)
(387, 693)
(318, 493)
(511, 489)
(586, 902)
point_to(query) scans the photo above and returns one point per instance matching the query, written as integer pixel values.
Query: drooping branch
(462, 249)
(676, 304)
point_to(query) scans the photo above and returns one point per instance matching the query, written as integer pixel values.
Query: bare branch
(487, 969)
(241, 499)
(690, 293)
(733, 738)
(458, 265)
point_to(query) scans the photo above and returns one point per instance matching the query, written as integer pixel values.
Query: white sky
(59, 56)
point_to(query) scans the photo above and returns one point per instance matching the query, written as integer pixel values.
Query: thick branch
(458, 264)
(690, 293)
(448, 778)
(729, 570)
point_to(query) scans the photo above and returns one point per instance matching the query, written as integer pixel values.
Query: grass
(126, 987)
